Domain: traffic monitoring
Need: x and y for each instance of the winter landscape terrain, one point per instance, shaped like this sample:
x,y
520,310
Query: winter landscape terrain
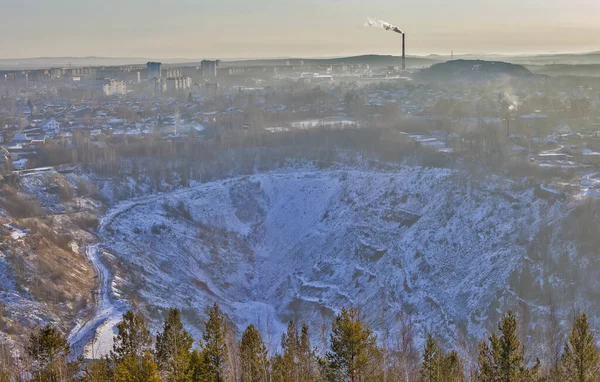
x,y
449,249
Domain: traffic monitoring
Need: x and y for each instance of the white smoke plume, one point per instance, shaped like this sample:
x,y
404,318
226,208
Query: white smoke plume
x,y
382,24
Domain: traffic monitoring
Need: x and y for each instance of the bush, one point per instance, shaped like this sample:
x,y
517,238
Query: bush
x,y
87,223
18,207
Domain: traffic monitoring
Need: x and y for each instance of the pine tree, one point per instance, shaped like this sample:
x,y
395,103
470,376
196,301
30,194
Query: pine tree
x,y
130,369
307,357
253,356
133,337
430,369
485,363
98,371
580,358
353,352
48,350
507,351
286,365
452,369
173,348
199,367
215,345
503,359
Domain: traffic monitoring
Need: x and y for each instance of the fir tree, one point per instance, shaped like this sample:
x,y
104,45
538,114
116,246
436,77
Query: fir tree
x,y
215,344
253,356
507,350
130,369
580,358
48,350
503,359
430,369
485,363
133,337
287,365
452,368
173,348
353,350
101,370
199,369
307,356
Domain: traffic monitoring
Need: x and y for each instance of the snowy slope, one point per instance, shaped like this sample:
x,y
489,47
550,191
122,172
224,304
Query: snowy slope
x,y
302,244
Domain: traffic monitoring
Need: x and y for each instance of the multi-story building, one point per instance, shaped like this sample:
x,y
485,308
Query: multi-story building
x,y
153,70
112,86
171,73
208,69
178,83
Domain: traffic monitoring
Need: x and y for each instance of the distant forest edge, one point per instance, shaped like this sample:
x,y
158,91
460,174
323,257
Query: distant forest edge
x,y
352,353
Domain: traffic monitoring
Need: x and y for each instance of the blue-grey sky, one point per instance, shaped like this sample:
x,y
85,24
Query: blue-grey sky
x,y
292,28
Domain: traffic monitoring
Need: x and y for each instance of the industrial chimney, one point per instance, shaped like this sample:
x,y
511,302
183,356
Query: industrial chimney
x,y
403,51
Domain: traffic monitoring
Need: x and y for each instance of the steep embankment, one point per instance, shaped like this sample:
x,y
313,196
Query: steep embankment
x,y
451,250
46,218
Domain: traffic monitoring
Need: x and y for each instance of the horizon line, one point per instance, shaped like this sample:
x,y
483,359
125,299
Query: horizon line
x,y
197,59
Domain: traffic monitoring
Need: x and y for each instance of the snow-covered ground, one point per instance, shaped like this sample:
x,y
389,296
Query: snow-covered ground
x,y
300,244
94,338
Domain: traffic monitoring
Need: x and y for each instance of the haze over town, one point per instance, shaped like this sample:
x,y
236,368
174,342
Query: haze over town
x,y
299,191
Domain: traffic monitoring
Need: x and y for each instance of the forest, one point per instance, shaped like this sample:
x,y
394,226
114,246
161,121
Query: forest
x,y
353,354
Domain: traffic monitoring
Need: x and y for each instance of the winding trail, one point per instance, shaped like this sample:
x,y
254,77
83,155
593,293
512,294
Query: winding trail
x,y
93,338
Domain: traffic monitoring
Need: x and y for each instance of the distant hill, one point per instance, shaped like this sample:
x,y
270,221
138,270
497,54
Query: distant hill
x,y
591,70
63,62
529,59
373,60
473,70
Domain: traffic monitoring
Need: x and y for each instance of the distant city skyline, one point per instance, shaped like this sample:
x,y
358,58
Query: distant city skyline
x,y
232,29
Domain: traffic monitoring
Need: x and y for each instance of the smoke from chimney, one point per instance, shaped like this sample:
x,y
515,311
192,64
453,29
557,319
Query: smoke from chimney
x,y
383,24
390,27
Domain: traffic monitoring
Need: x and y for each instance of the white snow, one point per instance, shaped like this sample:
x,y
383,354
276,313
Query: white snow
x,y
295,242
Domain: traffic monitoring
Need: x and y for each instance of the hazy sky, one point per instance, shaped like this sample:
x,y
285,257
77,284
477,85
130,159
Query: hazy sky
x,y
292,28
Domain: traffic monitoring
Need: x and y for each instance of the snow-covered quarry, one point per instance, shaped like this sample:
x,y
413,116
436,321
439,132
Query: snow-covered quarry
x,y
451,250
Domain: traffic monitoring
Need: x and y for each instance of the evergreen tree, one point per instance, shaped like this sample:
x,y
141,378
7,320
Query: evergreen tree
x,y
452,368
253,356
48,350
580,358
507,350
486,371
503,359
297,363
353,352
173,348
215,344
430,369
133,337
98,371
287,367
199,367
130,369
307,357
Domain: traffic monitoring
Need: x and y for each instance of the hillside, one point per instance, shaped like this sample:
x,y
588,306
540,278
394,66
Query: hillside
x,y
450,251
473,70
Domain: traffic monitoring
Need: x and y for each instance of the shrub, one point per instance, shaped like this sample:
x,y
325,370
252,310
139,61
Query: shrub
x,y
18,207
87,223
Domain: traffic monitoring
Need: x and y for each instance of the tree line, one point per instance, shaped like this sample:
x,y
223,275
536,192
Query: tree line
x,y
353,355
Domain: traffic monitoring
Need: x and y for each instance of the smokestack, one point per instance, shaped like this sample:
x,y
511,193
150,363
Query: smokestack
x,y
403,51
